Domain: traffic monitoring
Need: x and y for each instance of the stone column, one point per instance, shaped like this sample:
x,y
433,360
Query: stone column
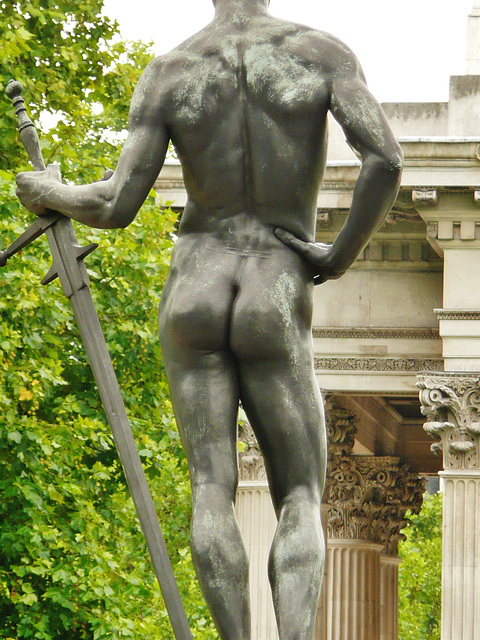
x,y
367,498
451,403
257,522
389,597
364,508
352,590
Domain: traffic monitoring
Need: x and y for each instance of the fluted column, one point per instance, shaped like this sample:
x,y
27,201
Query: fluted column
x,y
352,590
257,522
367,498
389,597
451,403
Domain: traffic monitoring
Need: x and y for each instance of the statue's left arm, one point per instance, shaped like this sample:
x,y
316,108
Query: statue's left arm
x,y
366,128
114,201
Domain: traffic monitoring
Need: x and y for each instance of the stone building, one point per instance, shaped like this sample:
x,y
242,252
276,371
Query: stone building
x,y
405,319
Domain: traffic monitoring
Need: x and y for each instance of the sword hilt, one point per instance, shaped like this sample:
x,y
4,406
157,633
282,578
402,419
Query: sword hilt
x,y
26,128
77,277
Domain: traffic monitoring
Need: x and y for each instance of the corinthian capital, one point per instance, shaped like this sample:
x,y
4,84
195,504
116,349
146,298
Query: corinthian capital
x,y
368,498
251,465
451,404
341,428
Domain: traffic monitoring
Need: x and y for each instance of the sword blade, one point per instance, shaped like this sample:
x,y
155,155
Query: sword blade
x,y
74,280
69,267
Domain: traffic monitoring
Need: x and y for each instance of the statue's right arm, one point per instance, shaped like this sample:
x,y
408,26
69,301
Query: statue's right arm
x,y
113,202
366,129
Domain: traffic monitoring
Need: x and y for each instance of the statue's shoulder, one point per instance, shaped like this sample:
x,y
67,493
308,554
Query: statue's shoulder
x,y
318,48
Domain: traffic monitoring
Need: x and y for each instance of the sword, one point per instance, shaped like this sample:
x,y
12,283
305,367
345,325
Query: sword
x,y
68,266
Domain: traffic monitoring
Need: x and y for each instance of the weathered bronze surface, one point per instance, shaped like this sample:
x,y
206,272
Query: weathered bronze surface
x,y
245,103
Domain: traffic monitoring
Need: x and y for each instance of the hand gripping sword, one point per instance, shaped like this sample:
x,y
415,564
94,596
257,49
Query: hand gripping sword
x,y
69,267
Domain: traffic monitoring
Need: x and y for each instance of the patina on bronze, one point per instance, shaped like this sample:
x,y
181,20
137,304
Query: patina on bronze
x,y
68,266
245,103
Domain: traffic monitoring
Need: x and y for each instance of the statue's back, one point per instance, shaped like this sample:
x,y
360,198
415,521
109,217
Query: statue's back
x,y
246,108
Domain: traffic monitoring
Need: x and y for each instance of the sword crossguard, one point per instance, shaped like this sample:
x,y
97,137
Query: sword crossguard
x,y
74,272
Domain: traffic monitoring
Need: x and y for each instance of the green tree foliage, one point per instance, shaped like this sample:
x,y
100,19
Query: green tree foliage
x,y
420,574
74,66
73,562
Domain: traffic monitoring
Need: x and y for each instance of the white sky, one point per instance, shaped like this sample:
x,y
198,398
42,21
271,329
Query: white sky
x,y
407,48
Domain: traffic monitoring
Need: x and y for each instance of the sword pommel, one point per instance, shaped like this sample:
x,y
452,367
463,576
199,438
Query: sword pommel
x,y
14,89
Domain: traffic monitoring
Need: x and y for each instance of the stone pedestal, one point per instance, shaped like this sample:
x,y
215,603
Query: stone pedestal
x,y
389,597
451,402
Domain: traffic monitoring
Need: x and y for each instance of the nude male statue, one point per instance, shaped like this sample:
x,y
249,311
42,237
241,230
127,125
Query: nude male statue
x,y
245,103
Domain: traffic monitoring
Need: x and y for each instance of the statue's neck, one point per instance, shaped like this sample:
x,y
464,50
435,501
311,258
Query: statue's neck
x,y
240,7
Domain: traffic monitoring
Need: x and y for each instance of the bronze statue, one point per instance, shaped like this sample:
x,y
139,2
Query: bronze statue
x,y
245,103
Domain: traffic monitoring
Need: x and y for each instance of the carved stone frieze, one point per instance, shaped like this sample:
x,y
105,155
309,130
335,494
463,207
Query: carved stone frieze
x,y
168,184
457,314
415,333
368,498
378,364
451,404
